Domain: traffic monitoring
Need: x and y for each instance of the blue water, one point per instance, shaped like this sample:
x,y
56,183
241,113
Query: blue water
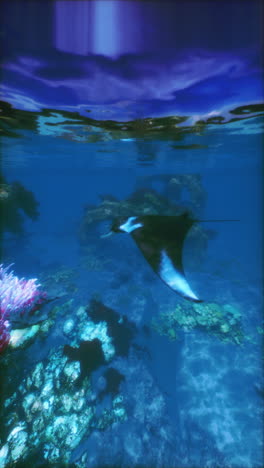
x,y
87,121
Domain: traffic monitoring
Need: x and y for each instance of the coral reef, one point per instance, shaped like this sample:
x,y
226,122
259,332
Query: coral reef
x,y
18,297
56,403
90,355
119,328
221,321
48,411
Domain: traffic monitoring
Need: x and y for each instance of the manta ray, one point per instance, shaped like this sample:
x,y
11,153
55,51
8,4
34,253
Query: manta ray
x,y
161,239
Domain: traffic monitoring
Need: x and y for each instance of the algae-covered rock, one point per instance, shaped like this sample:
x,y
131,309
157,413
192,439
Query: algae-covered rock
x,y
225,328
3,455
92,331
68,326
50,413
22,337
17,442
72,371
53,407
37,376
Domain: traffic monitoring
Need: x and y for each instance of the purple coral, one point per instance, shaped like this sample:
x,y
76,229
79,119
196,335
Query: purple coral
x,y
17,296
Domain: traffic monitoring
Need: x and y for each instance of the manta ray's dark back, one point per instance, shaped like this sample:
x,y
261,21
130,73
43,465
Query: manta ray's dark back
x,y
160,239
163,233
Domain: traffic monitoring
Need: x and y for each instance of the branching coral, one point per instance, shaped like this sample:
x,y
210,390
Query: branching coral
x,y
17,297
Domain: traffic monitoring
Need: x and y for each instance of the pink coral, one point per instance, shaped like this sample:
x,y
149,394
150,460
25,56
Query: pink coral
x,y
17,296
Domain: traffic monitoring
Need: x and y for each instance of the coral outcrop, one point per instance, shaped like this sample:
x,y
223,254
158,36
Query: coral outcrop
x,y
223,321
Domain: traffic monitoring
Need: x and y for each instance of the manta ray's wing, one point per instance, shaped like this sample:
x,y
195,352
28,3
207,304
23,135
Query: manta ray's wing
x,y
161,239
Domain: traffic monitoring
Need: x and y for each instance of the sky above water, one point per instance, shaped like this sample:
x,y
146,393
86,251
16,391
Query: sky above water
x,y
121,60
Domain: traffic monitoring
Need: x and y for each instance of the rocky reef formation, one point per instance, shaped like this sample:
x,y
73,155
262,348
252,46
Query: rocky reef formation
x,y
16,202
49,412
56,403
